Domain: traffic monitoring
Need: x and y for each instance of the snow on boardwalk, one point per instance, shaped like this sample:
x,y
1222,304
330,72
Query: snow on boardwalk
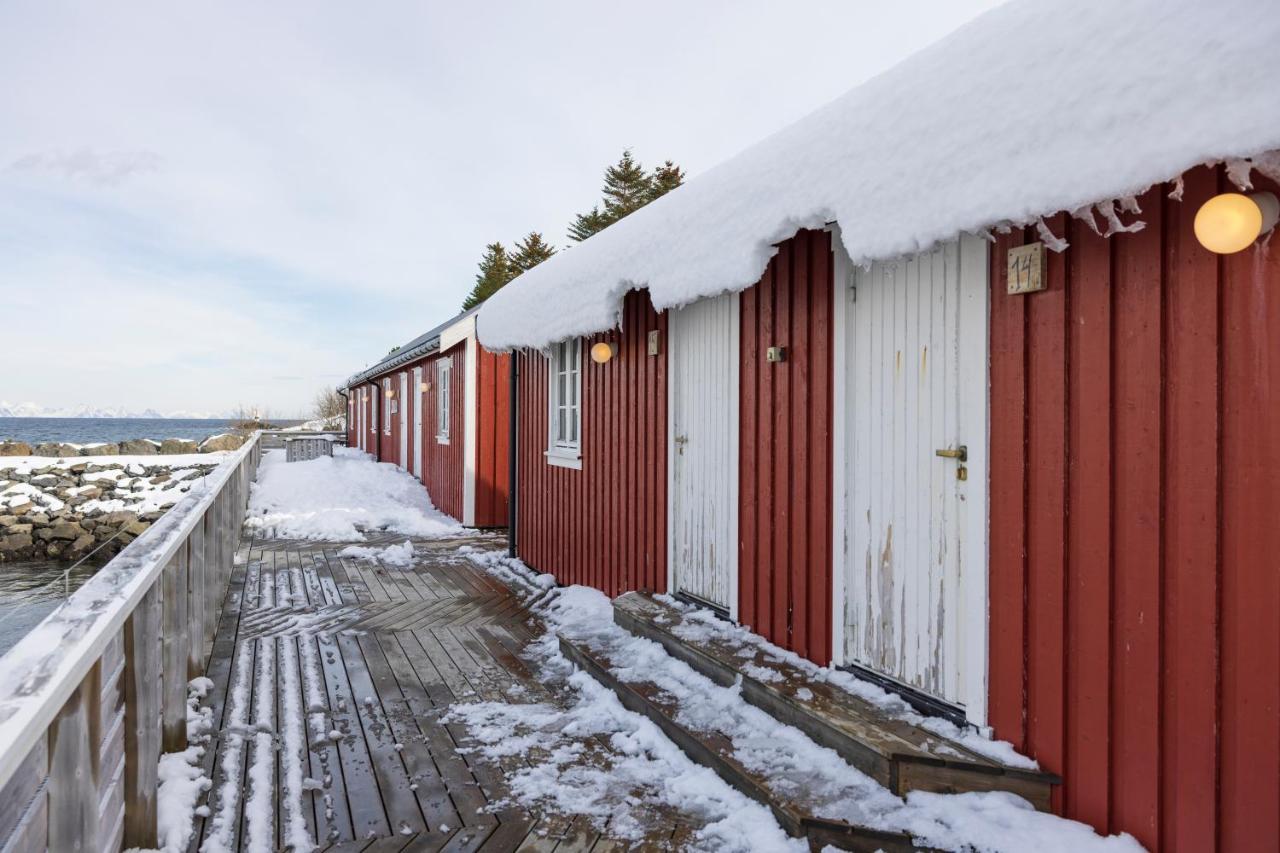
x,y
331,677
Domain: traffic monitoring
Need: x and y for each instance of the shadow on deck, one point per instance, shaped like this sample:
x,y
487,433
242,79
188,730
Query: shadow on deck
x,y
330,675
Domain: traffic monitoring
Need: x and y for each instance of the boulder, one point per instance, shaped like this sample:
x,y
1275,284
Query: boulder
x,y
119,518
45,481
139,447
226,441
100,450
14,448
15,542
56,448
39,519
81,545
15,529
172,446
7,520
20,508
63,530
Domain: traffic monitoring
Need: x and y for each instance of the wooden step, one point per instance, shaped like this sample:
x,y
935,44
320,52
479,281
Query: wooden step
x,y
715,751
898,754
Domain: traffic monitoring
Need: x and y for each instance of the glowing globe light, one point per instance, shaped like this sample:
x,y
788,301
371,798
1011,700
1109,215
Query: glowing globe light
x,y
603,351
1230,222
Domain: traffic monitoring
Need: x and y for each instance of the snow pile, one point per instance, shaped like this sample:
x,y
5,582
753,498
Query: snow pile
x,y
182,779
335,498
645,764
28,464
1032,108
400,556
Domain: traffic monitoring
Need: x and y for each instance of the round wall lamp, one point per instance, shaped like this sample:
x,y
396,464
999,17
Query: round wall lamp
x,y
424,387
603,351
1230,222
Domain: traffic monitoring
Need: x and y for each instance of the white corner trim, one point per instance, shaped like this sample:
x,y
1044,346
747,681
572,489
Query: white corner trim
x,y
470,414
841,270
460,331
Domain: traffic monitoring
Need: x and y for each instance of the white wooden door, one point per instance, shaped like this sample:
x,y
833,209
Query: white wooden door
x,y
703,451
417,422
914,533
404,420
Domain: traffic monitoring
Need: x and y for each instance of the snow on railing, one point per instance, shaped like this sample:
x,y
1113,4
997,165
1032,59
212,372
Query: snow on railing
x,y
93,695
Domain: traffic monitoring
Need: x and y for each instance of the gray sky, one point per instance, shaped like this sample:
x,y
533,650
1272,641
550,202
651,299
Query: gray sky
x,y
206,205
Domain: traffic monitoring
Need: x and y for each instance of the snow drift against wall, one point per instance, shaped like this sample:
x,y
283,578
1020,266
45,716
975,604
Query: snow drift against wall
x,y
338,498
1033,108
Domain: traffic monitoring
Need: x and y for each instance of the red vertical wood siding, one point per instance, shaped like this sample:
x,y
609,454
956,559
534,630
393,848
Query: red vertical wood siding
x,y
442,464
604,525
1135,430
388,425
492,409
784,553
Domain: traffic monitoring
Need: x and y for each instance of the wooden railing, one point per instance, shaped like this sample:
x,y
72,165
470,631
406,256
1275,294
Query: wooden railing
x,y
91,698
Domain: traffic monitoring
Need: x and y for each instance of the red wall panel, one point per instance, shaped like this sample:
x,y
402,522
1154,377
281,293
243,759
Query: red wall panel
x,y
1135,437
442,463
493,406
785,510
603,525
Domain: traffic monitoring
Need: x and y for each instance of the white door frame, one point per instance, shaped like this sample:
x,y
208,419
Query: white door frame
x,y
465,331
417,422
404,420
973,424
735,432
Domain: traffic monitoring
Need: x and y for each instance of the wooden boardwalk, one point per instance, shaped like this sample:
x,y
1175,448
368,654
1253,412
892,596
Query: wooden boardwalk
x,y
330,676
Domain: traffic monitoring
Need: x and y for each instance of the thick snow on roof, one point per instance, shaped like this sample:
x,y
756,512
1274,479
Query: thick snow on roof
x,y
1033,108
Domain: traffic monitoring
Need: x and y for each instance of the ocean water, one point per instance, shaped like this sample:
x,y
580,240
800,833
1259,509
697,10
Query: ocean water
x,y
93,430
29,591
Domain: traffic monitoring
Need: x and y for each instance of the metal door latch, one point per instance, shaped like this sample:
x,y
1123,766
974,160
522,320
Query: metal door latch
x,y
961,453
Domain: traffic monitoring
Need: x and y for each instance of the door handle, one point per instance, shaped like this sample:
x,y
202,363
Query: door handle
x,y
961,453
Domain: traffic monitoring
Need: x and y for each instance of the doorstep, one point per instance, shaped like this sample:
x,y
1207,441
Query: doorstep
x,y
898,754
715,750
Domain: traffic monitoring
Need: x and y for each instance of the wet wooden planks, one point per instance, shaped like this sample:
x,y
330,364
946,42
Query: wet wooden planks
x,y
331,674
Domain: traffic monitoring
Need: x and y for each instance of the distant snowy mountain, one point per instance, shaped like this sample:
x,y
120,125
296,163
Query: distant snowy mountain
x,y
35,410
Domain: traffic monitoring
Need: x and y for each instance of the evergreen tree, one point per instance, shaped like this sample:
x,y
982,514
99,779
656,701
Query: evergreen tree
x,y
495,271
627,188
665,178
586,224
530,252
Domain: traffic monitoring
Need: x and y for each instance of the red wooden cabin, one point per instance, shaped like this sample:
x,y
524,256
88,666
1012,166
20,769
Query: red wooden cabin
x,y
438,408
1046,506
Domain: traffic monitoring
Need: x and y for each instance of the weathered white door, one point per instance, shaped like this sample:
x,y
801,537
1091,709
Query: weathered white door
x,y
914,444
703,451
417,422
404,420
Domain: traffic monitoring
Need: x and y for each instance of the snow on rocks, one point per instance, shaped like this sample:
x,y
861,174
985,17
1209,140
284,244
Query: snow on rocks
x,y
1110,97
337,498
63,508
546,736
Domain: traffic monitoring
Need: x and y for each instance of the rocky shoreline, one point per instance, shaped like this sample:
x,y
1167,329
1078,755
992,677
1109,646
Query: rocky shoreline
x,y
64,509
132,447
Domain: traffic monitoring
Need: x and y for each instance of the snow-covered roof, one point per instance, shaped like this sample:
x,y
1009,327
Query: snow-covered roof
x,y
1035,107
423,344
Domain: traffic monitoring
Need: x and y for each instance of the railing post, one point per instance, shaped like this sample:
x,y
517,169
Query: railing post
x,y
142,686
199,593
74,740
173,645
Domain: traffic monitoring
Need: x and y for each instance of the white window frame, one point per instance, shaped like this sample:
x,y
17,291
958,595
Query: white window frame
x,y
386,406
565,362
444,403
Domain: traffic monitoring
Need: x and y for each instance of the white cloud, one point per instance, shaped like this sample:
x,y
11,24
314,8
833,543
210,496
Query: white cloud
x,y
313,184
108,168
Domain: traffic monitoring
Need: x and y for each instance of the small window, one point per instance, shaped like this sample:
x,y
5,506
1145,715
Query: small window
x,y
444,387
387,411
565,426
